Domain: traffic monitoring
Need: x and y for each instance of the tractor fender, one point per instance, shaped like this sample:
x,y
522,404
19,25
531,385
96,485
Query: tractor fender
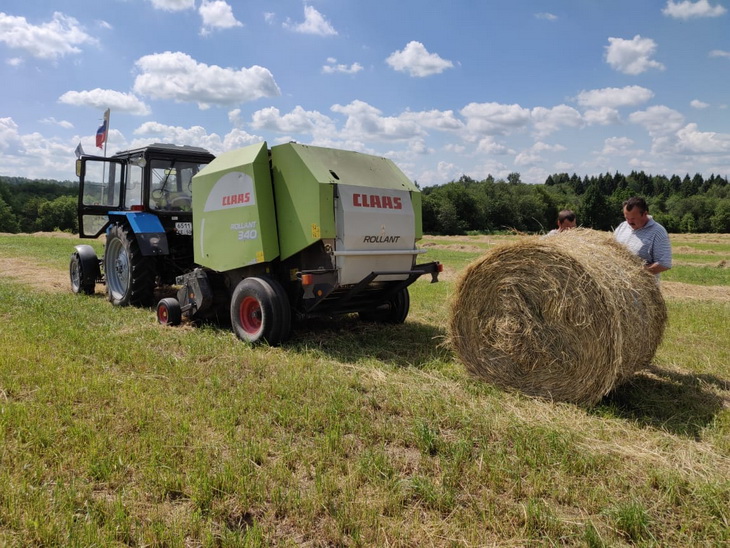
x,y
147,229
90,268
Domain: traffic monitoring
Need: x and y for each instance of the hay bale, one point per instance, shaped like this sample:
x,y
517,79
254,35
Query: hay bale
x,y
566,318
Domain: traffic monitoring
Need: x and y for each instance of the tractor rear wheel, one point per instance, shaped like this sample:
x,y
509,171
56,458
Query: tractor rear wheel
x,y
76,272
169,312
395,309
130,276
257,312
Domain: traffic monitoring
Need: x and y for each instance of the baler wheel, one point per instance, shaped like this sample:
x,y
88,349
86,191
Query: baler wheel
x,y
395,311
76,273
169,312
256,312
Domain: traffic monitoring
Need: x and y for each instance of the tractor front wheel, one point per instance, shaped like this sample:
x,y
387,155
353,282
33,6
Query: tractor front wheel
x,y
130,276
76,272
257,312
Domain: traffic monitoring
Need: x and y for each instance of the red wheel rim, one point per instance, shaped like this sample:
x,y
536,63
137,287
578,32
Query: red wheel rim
x,y
249,313
163,314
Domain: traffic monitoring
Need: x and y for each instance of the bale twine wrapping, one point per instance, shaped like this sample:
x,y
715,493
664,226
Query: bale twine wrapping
x,y
568,317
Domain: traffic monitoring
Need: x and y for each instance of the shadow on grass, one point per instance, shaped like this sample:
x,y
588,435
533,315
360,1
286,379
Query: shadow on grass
x,y
349,339
680,403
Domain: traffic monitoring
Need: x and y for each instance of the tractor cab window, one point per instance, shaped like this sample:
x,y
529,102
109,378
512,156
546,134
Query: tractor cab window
x,y
133,194
102,183
172,185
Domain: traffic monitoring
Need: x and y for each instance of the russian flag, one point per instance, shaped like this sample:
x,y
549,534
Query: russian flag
x,y
101,133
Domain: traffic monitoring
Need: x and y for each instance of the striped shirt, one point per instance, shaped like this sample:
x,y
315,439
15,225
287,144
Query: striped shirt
x,y
650,242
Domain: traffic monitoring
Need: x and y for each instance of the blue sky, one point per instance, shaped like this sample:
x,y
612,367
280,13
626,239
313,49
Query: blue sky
x,y
443,88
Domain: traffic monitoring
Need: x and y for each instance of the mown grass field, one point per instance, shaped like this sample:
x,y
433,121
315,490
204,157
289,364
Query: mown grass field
x,y
117,431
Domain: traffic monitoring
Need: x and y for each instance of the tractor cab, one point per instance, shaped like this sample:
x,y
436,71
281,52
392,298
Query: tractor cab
x,y
155,179
142,199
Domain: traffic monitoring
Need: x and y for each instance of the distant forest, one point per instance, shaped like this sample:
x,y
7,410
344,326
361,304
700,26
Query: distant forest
x,y
28,205
688,204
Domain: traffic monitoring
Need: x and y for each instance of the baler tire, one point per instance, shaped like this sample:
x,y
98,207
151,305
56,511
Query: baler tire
x,y
76,273
130,276
169,312
284,309
256,312
395,313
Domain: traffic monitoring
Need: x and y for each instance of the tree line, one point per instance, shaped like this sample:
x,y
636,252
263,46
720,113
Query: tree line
x,y
28,205
688,204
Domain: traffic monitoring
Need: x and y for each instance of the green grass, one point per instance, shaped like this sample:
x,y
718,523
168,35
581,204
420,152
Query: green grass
x,y
699,275
45,250
116,431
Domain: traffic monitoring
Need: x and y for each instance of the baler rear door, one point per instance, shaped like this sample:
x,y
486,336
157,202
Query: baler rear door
x,y
376,232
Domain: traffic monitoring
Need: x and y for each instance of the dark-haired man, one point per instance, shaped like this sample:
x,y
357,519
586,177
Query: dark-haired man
x,y
566,221
644,236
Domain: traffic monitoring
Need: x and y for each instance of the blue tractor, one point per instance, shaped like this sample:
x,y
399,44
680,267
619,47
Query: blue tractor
x,y
142,200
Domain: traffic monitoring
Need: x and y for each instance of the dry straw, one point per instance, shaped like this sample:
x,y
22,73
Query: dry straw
x,y
568,317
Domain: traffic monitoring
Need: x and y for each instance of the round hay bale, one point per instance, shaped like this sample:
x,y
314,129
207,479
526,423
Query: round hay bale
x,y
567,317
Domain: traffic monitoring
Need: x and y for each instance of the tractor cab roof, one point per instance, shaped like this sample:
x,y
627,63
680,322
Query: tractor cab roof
x,y
165,149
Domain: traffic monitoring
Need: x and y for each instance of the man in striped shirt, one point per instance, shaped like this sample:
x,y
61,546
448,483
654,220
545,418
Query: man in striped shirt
x,y
644,236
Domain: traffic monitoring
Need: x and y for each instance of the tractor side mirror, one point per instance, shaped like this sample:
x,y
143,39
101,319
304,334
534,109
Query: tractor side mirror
x,y
80,165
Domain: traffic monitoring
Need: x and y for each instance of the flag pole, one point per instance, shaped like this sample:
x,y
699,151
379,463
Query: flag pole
x,y
107,116
105,126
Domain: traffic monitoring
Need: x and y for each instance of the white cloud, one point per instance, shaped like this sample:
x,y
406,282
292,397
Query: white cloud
x,y
549,120
194,135
217,14
298,121
8,132
688,10
417,61
179,77
234,117
57,38
35,155
603,116
632,56
418,146
333,67
696,103
434,119
173,5
314,23
65,124
495,118
488,145
546,147
547,16
105,98
366,122
563,167
720,53
527,158
658,120
692,141
614,97
620,146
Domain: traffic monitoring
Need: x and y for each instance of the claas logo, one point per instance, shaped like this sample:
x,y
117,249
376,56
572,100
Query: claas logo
x,y
377,201
234,199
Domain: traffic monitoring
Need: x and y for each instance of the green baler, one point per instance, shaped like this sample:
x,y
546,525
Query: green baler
x,y
298,231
